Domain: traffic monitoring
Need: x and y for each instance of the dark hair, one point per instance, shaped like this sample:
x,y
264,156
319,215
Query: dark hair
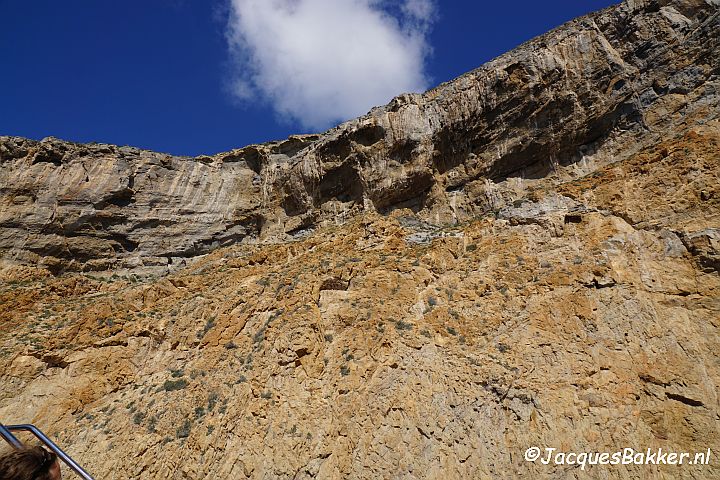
x,y
27,463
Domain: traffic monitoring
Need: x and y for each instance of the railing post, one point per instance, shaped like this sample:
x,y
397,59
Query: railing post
x,y
6,433
9,437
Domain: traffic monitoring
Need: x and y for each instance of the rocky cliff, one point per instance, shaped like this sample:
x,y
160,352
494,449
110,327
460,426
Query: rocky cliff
x,y
586,94
525,256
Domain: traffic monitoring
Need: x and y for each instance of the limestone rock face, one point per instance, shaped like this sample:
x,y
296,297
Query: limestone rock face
x,y
527,256
590,92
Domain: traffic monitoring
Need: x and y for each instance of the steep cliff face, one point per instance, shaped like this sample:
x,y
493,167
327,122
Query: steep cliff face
x,y
526,256
585,320
586,94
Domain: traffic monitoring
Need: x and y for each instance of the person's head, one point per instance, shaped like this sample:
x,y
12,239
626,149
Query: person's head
x,y
29,463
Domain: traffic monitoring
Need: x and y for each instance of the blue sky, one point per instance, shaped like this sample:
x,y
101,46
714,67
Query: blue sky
x,y
194,77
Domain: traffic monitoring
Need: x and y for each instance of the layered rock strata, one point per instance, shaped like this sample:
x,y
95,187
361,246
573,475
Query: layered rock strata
x,y
586,94
582,317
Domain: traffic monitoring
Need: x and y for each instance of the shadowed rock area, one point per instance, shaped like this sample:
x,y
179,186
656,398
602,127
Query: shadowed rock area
x,y
525,256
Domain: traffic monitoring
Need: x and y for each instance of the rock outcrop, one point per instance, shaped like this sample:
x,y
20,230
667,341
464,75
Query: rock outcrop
x,y
524,257
588,93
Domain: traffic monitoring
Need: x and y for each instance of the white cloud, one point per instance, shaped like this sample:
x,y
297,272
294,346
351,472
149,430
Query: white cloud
x,y
324,61
423,11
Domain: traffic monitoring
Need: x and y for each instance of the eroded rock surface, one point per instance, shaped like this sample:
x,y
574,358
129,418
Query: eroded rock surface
x,y
586,94
525,256
361,352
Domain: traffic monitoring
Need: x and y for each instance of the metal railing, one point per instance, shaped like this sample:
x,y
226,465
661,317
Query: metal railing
x,y
7,435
